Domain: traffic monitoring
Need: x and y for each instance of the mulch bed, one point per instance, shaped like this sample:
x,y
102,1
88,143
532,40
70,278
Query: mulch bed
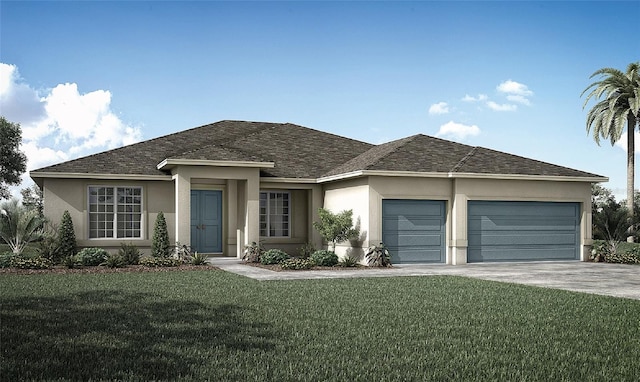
x,y
278,268
103,269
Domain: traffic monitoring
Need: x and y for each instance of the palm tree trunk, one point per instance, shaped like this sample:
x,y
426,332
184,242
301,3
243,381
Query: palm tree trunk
x,y
631,129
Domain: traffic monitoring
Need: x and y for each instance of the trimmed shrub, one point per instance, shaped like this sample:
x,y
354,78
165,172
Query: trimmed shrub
x,y
160,246
622,258
155,262
67,236
324,258
297,264
273,256
92,256
130,253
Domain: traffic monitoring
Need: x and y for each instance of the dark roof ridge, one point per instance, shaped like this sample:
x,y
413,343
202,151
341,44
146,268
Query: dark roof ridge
x,y
464,159
397,144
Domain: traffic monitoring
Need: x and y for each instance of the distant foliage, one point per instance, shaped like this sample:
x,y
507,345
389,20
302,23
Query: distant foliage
x,y
67,236
13,162
160,245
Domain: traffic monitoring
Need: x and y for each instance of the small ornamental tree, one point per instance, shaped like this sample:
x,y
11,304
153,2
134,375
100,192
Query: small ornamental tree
x,y
335,228
160,246
68,245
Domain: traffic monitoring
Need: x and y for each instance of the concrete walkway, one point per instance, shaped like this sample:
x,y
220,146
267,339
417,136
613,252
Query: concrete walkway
x,y
598,278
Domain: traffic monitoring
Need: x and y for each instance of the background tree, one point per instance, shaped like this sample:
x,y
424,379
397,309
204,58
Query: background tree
x,y
607,118
160,246
19,226
13,162
67,236
32,198
335,228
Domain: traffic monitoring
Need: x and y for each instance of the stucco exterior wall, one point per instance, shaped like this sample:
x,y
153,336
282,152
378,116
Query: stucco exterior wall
x,y
72,195
351,195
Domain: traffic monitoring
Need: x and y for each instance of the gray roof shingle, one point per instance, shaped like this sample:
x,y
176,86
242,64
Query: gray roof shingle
x,y
300,152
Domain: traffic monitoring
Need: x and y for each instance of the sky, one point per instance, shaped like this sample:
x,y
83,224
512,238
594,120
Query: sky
x,y
84,77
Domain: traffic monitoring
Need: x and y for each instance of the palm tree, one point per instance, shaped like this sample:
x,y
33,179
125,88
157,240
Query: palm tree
x,y
606,119
19,226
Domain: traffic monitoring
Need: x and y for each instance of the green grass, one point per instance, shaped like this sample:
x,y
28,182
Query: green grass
x,y
212,325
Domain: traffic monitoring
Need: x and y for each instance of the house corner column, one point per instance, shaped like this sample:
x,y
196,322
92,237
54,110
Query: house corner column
x,y
182,184
586,231
459,241
315,197
252,211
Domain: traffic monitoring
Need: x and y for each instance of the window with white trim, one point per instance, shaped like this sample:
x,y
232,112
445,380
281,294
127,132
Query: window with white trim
x,y
115,212
274,214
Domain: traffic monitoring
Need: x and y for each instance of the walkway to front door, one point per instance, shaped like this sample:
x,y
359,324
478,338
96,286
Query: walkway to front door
x,y
206,221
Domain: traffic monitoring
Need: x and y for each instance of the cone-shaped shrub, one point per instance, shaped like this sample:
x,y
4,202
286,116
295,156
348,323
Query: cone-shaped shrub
x,y
160,245
68,245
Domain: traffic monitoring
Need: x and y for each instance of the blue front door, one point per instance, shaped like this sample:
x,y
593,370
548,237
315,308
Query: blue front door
x,y
206,221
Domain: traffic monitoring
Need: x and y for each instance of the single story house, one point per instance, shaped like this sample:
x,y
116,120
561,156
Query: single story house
x,y
224,185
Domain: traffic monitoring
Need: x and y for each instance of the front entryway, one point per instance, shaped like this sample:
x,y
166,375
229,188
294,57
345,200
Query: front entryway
x,y
206,221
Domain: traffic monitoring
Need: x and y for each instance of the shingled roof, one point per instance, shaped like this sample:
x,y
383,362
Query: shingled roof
x,y
300,152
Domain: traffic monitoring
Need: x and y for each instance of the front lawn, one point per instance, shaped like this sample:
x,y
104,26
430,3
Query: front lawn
x,y
212,325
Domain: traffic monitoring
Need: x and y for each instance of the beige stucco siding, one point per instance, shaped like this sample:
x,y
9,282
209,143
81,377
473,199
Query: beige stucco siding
x,y
72,195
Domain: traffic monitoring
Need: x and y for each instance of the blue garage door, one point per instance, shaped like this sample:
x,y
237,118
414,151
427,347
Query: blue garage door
x,y
523,231
414,230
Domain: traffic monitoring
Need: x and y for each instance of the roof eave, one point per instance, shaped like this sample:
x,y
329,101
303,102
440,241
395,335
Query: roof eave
x,y
168,164
419,174
85,175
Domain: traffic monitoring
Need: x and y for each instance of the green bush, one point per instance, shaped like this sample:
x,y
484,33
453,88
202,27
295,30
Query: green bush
x,y
130,253
31,263
306,250
348,262
160,246
155,262
92,256
378,256
324,258
628,257
297,264
71,262
67,236
49,247
273,256
115,260
252,253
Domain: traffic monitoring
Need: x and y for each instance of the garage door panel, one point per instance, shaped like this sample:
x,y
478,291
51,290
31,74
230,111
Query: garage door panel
x,y
525,254
414,230
531,238
412,224
518,224
522,231
399,240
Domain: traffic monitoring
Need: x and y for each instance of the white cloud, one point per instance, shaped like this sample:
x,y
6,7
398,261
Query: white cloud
x,y
519,99
61,123
439,108
457,130
513,87
622,142
479,98
501,107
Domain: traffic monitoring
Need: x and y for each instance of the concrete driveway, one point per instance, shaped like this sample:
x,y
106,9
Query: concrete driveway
x,y
597,278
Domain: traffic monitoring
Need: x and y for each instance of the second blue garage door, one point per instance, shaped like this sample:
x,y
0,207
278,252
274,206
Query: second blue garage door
x,y
414,230
523,231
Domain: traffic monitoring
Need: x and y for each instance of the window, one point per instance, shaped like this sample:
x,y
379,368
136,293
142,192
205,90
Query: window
x,y
115,212
274,214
